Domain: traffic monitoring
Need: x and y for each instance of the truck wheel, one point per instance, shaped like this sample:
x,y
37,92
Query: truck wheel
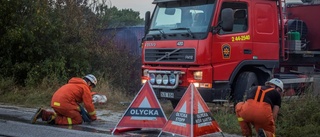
x,y
243,83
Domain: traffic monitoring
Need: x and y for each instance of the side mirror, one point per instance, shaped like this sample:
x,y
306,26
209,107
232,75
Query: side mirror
x,y
146,22
227,19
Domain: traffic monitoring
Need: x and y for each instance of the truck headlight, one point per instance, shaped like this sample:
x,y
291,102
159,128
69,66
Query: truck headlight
x,y
165,79
172,79
152,78
197,75
159,79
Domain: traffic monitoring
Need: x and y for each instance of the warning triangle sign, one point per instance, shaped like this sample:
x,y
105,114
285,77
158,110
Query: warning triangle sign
x,y
144,111
192,116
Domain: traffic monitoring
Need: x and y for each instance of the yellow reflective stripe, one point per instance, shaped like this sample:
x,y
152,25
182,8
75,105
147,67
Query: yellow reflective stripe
x,y
56,104
69,121
92,113
240,119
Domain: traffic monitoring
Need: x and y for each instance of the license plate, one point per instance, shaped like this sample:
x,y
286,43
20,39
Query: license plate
x,y
167,94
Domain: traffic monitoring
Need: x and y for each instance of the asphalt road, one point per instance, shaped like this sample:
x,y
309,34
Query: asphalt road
x,y
15,122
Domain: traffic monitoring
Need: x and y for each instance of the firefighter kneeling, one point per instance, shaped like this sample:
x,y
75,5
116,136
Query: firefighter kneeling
x,y
65,103
260,109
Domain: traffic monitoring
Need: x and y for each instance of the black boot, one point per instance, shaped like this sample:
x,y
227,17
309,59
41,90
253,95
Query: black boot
x,y
51,120
36,116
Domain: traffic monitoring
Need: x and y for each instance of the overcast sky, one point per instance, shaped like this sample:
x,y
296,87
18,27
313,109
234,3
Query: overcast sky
x,y
136,5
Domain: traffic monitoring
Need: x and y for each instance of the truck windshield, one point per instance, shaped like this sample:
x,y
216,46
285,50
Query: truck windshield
x,y
179,16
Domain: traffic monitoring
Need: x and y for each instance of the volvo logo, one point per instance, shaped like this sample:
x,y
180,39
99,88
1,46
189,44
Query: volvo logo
x,y
151,44
167,54
180,43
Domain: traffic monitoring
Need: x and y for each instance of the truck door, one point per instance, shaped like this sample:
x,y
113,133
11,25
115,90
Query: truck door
x,y
232,47
265,30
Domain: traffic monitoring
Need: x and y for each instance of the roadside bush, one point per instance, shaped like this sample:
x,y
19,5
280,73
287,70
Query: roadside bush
x,y
299,117
121,69
37,40
6,85
40,96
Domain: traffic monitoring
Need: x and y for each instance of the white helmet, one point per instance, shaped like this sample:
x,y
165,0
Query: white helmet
x,y
276,82
92,79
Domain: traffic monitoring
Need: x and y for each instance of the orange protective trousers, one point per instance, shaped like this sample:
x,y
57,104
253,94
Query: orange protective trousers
x,y
66,116
256,113
63,116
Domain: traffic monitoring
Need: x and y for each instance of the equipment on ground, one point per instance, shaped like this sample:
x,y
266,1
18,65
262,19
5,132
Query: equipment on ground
x,y
99,99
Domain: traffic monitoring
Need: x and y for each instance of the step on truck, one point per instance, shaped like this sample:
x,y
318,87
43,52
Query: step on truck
x,y
224,47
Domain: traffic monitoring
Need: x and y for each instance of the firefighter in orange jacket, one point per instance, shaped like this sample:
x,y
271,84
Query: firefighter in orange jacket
x,y
65,102
260,109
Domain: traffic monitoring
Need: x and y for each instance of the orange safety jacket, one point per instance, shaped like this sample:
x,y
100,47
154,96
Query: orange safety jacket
x,y
71,94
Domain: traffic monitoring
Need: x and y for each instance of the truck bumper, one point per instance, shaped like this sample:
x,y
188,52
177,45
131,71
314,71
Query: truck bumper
x,y
218,94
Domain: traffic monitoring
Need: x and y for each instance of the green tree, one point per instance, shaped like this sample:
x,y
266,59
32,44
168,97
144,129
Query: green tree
x,y
25,38
58,39
42,39
118,18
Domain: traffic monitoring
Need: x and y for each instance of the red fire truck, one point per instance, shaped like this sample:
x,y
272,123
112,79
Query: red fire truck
x,y
225,47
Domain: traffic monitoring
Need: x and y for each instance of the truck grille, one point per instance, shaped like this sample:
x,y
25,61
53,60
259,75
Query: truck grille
x,y
169,55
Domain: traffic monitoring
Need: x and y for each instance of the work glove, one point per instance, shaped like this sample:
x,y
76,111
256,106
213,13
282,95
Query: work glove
x,y
93,117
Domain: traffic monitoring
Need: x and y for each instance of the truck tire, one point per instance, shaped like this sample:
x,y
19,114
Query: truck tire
x,y
243,83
